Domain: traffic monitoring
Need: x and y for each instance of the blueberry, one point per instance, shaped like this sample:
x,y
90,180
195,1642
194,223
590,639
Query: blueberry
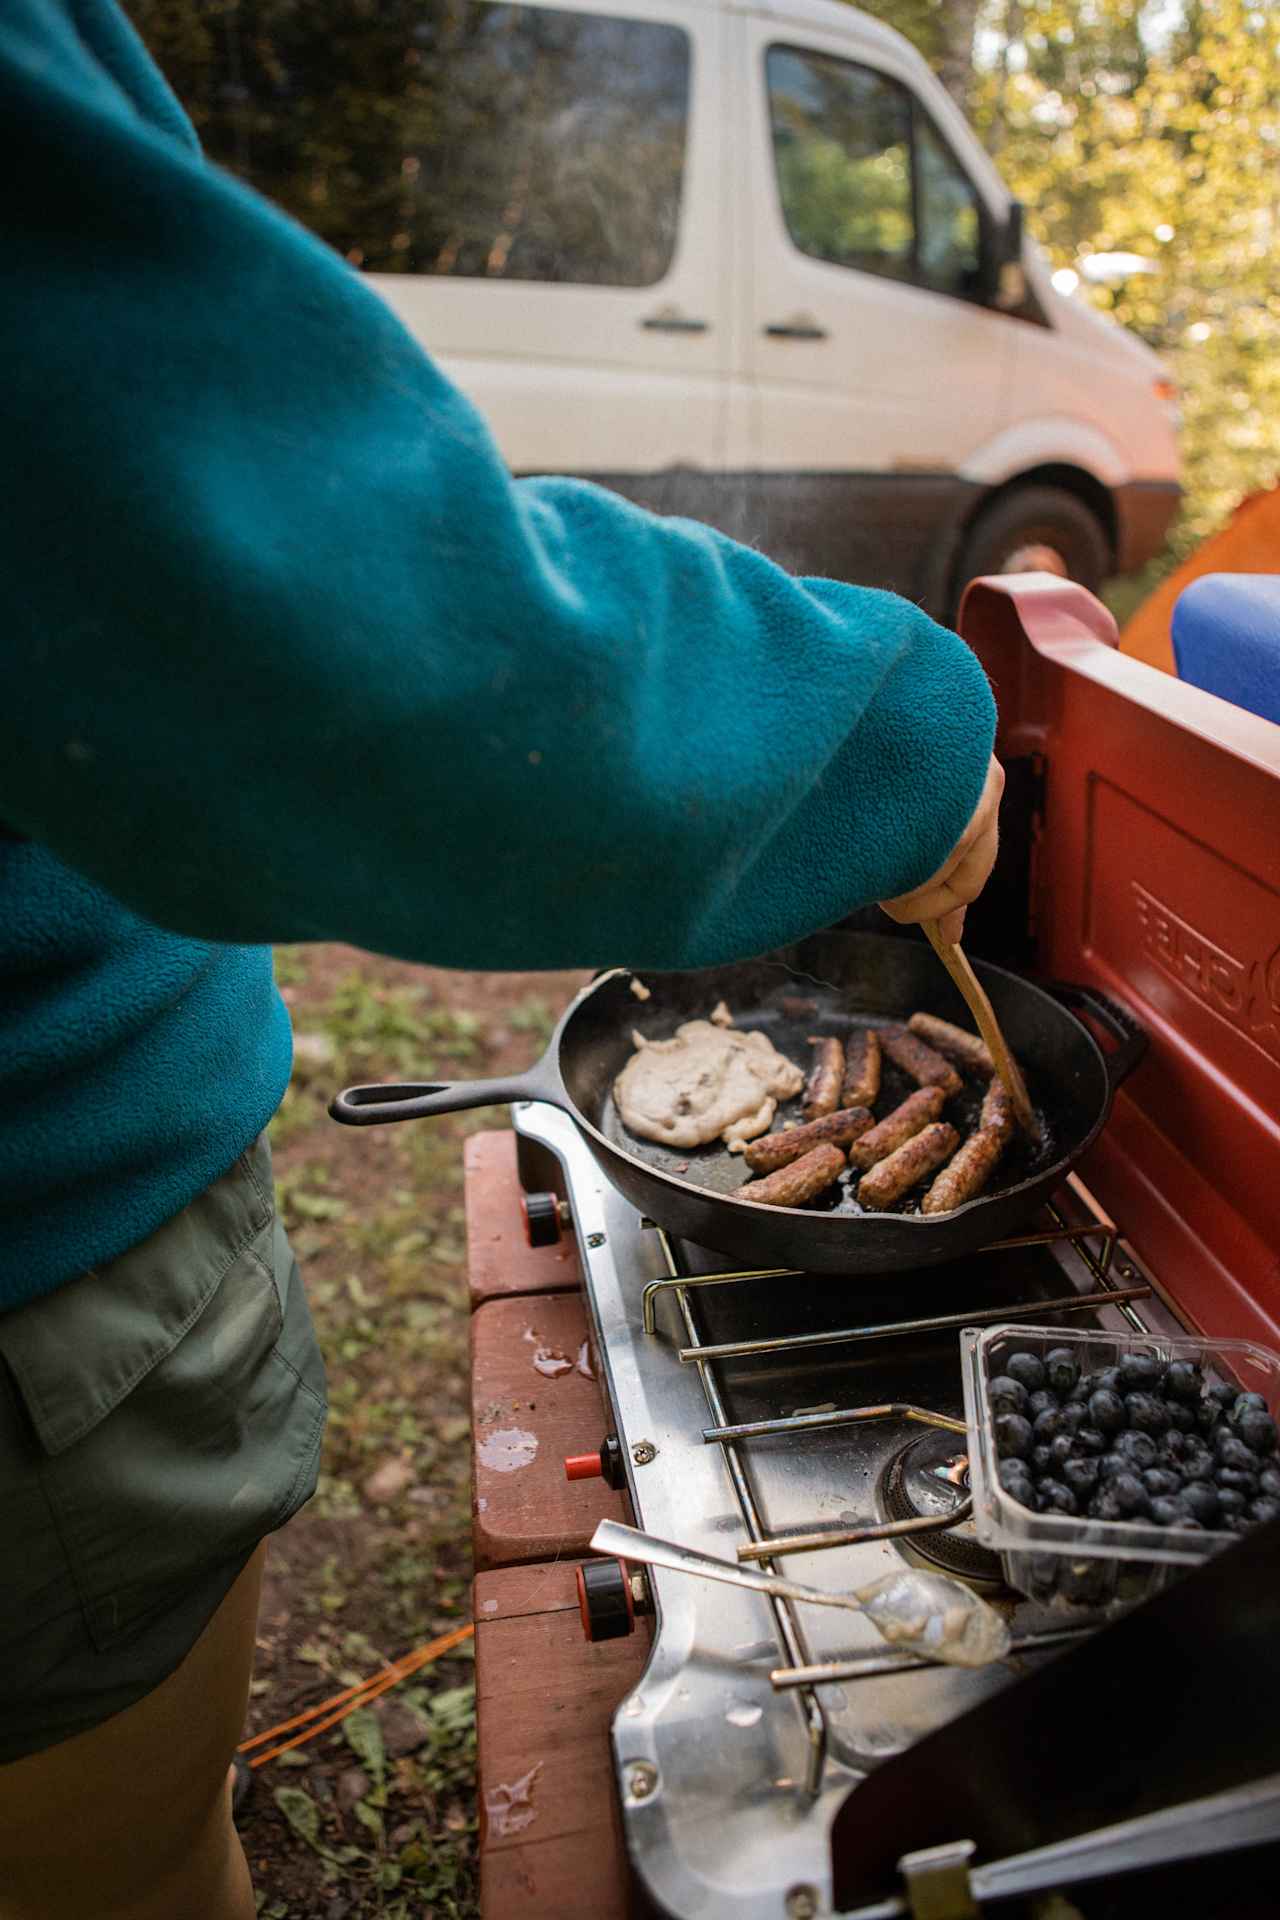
x,y
1089,1440
1200,1500
1108,1380
1106,1411
1222,1396
1013,1436
1042,1401
1073,1415
1146,1414
1207,1417
1041,1460
1043,1569
1182,1418
1160,1483
1062,1369
1239,1479
1245,1403
1201,1470
1110,1465
1054,1497
1130,1494
1104,1505
1047,1425
1269,1482
1140,1372
1016,1481
1230,1451
1006,1396
1182,1381
1080,1475
1026,1370
1087,1583
1173,1445
1139,1448
1263,1509
1165,1512
1229,1501
1257,1430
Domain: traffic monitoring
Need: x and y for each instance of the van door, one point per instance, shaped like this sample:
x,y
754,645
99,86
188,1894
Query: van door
x,y
876,364
561,254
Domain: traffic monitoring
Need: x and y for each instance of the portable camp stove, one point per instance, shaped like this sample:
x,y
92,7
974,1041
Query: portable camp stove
x,y
807,1426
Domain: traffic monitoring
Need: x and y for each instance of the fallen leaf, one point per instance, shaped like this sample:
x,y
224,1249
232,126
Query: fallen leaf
x,y
388,1481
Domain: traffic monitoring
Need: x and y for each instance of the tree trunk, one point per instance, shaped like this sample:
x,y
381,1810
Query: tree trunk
x,y
955,66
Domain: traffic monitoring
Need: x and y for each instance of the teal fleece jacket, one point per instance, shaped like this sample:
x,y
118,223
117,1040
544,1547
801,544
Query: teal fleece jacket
x,y
287,655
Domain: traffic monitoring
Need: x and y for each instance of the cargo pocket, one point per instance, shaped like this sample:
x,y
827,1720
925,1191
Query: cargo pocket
x,y
178,1399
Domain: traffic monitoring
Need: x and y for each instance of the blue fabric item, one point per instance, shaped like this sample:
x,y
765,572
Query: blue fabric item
x,y
1226,639
287,655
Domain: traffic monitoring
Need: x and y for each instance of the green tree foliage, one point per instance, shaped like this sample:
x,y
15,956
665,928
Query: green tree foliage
x,y
316,102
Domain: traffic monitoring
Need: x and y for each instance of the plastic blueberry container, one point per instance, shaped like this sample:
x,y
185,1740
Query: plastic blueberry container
x,y
1069,1561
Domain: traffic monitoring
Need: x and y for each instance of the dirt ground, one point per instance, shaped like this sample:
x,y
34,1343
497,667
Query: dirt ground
x,y
377,1816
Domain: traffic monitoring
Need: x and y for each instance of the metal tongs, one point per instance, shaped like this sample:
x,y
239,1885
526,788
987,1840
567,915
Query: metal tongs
x,y
928,1613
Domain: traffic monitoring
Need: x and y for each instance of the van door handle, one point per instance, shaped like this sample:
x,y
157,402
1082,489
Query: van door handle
x,y
671,320
800,327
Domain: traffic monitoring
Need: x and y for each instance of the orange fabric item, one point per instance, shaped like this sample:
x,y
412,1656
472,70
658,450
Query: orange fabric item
x,y
1249,543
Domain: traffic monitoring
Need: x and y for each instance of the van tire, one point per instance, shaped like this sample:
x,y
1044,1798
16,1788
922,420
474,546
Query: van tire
x,y
1003,539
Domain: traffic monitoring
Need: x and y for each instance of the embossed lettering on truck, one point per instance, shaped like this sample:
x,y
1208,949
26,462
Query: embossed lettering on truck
x,y
1247,993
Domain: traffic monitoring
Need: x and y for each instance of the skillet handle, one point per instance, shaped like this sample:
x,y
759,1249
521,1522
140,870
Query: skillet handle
x,y
424,1099
1131,1038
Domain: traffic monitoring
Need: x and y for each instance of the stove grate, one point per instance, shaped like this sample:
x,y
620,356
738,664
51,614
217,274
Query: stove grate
x,y
1094,1239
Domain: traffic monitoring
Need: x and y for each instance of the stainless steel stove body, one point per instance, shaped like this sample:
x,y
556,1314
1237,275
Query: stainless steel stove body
x,y
755,1718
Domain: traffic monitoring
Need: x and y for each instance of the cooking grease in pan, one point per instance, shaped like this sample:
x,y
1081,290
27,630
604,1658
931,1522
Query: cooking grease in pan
x,y
789,1019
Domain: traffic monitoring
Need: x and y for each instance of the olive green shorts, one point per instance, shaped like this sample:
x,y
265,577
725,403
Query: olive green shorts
x,y
158,1417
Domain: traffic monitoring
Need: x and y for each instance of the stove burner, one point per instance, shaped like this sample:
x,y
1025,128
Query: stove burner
x,y
931,1477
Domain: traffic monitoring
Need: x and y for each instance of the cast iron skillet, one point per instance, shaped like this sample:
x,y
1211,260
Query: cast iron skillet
x,y
871,978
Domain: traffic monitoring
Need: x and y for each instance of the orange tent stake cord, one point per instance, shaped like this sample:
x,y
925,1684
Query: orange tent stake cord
x,y
352,1697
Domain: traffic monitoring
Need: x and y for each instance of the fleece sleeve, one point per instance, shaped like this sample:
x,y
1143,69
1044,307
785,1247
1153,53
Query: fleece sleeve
x,y
288,655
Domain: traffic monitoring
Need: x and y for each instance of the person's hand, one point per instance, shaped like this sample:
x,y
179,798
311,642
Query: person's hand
x,y
964,872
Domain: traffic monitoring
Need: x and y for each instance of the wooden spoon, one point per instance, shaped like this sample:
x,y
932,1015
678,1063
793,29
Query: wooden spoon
x,y
956,962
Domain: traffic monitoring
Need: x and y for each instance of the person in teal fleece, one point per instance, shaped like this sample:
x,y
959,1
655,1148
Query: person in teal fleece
x,y
287,656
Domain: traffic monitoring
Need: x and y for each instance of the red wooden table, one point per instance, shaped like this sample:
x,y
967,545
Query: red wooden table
x,y
551,1845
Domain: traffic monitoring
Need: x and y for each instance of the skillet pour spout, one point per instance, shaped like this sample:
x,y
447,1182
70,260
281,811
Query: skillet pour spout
x,y
870,979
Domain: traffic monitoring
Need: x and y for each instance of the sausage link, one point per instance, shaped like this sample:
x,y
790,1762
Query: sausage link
x,y
792,1186
921,1062
997,1110
968,1173
776,1150
966,1049
916,1111
826,1077
861,1068
889,1179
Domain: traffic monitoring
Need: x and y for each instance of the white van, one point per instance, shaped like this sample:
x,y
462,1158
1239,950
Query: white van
x,y
748,262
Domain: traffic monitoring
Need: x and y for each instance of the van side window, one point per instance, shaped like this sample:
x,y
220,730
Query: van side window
x,y
864,179
950,249
842,147
544,145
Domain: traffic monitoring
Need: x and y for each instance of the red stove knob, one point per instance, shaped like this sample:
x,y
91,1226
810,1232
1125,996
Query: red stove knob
x,y
605,1600
606,1464
544,1215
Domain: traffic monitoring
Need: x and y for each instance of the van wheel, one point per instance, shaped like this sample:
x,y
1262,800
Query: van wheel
x,y
1036,530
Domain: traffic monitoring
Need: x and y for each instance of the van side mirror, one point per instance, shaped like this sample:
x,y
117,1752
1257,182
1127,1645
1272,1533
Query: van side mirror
x,y
1010,289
